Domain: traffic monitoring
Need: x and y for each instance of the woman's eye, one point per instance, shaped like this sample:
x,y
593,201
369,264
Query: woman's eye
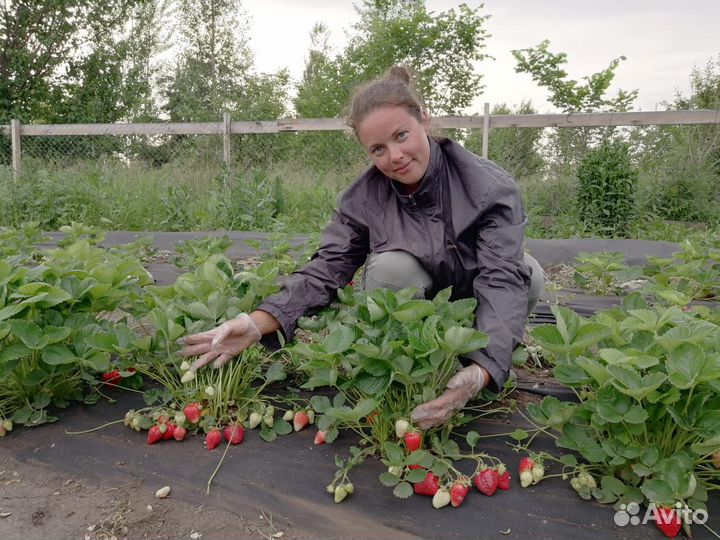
x,y
378,150
402,135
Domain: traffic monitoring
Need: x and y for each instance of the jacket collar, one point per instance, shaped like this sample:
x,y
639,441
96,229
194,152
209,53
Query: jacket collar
x,y
430,191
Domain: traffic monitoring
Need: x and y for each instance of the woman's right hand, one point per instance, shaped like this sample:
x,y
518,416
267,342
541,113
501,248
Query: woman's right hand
x,y
221,343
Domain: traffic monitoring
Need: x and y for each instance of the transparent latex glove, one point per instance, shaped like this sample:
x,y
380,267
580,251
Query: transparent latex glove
x,y
464,385
221,343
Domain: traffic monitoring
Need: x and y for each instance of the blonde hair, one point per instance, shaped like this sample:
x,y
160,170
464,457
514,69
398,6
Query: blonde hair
x,y
393,88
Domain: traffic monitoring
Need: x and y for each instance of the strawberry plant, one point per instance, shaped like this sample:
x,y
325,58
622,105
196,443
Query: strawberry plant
x,y
20,243
691,274
602,272
385,353
209,295
55,330
280,249
648,418
198,301
192,253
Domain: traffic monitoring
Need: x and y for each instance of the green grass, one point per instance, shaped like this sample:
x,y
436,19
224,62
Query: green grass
x,y
288,197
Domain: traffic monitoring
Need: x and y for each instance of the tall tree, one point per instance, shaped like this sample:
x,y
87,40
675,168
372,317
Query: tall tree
x,y
150,36
439,48
569,95
215,68
565,148
40,40
317,93
213,60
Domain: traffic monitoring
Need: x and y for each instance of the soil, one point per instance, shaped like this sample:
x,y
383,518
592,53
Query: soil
x,y
39,502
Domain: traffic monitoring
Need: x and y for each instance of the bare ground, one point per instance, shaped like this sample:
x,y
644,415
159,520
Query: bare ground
x,y
38,502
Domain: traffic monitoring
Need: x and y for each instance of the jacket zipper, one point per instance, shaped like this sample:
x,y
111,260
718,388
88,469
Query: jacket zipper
x,y
423,219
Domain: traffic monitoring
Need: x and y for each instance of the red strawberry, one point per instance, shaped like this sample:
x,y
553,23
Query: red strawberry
x,y
320,437
413,467
429,486
179,433
525,469
192,412
234,433
213,438
504,481
154,435
413,440
459,490
487,481
169,432
300,420
111,378
667,520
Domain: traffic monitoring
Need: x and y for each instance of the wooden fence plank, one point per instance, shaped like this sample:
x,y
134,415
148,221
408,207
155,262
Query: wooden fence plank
x,y
15,128
601,119
338,124
51,130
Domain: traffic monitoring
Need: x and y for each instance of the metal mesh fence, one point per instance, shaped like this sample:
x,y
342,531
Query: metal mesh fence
x,y
289,180
5,149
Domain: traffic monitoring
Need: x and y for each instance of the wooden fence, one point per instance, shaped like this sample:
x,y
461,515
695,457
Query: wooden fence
x,y
226,128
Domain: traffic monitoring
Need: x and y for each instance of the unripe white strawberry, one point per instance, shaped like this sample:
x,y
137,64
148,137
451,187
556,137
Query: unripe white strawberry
x,y
401,427
254,420
587,479
538,472
340,494
441,498
288,415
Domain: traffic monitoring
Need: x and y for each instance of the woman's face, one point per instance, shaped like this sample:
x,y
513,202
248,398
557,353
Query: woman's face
x,y
397,144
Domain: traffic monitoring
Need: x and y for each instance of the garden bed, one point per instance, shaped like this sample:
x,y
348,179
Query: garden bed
x,y
101,484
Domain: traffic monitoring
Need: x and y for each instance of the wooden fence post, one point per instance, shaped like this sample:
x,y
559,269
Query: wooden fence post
x,y
486,129
226,137
15,141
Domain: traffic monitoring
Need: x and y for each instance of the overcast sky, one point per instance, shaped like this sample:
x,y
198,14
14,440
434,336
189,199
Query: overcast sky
x,y
662,40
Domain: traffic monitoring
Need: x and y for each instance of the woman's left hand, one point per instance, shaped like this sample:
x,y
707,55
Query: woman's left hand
x,y
465,384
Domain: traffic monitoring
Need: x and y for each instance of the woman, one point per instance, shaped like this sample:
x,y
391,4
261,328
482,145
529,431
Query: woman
x,y
427,214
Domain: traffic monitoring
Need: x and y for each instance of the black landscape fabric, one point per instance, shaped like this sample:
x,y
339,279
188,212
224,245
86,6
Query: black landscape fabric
x,y
287,477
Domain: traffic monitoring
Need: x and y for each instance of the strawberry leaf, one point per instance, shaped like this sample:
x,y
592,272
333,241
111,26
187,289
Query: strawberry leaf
x,y
472,438
331,435
389,479
416,475
393,453
519,435
320,403
440,468
281,427
403,490
268,434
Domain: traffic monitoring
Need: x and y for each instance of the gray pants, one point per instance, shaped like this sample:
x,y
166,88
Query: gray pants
x,y
397,270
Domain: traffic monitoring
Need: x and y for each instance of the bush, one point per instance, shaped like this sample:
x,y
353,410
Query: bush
x,y
607,182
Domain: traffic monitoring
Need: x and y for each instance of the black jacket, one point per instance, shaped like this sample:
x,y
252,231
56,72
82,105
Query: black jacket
x,y
465,224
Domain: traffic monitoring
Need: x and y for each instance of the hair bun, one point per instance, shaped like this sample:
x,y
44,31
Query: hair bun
x,y
400,73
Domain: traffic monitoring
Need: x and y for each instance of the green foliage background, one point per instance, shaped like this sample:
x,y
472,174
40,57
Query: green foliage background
x,y
85,61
